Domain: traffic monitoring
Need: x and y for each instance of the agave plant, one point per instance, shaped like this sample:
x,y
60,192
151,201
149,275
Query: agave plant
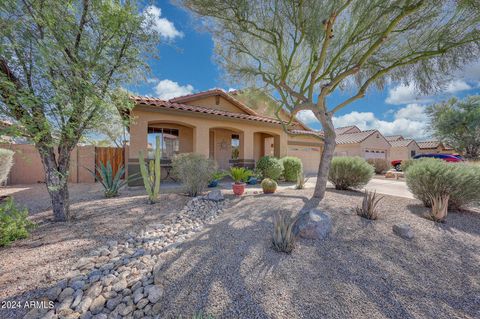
x,y
369,206
283,237
111,184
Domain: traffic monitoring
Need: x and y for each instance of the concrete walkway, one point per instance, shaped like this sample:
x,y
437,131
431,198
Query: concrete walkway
x,y
380,185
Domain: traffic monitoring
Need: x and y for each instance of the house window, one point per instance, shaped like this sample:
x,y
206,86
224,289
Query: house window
x,y
412,153
235,146
169,142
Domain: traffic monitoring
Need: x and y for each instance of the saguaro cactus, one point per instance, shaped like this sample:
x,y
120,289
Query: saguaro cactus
x,y
151,173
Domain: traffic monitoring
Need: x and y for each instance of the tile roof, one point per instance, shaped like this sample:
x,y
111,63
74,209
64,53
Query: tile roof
x,y
401,143
213,92
392,138
306,132
429,144
344,129
352,138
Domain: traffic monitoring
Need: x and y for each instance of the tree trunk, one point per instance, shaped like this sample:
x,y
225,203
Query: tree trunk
x,y
326,157
56,178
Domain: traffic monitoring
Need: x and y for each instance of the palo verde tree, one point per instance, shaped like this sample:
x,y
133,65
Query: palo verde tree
x,y
60,62
457,123
306,50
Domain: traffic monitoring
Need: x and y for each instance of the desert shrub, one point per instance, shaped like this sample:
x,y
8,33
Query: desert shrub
x,y
194,171
301,180
270,167
6,162
349,172
292,166
283,238
14,223
369,206
406,164
379,165
269,186
432,178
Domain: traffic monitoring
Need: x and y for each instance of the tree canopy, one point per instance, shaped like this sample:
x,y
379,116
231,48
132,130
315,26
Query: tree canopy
x,y
457,123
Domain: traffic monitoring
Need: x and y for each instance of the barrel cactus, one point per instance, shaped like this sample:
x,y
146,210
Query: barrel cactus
x,y
269,186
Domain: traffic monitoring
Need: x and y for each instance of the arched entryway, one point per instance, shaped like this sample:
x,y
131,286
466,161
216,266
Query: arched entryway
x,y
224,145
266,144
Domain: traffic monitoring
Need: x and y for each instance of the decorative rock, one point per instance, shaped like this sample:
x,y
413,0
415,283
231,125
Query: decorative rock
x,y
94,290
120,285
154,293
97,305
142,303
113,303
100,316
79,284
314,225
77,298
125,311
403,230
52,293
84,305
215,195
67,292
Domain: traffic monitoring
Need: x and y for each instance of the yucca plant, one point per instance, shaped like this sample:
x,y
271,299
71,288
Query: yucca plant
x,y
151,174
111,184
283,238
301,180
369,206
439,207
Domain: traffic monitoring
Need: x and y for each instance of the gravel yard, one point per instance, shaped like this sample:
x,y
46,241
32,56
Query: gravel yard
x,y
227,269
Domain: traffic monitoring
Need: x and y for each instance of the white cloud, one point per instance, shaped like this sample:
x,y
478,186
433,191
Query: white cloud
x,y
409,121
457,86
404,94
152,80
307,117
164,27
167,89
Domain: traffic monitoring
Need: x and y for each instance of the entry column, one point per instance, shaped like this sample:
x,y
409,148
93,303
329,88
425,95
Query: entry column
x,y
201,140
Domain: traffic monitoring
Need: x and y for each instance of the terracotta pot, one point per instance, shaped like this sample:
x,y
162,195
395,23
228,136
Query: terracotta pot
x,y
238,189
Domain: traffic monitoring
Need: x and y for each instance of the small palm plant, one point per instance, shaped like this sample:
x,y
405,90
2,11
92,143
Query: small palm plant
x,y
111,184
240,174
369,206
301,180
283,238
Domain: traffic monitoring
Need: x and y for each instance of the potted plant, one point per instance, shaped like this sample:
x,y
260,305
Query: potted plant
x,y
269,186
253,179
239,175
216,176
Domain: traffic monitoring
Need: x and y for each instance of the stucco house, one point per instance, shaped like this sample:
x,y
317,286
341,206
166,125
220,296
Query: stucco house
x,y
351,141
435,147
403,149
217,125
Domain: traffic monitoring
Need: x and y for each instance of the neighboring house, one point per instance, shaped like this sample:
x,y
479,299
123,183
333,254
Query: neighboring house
x,y
403,149
347,129
393,138
435,147
366,144
217,125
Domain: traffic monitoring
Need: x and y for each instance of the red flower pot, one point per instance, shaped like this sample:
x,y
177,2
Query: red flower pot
x,y
238,189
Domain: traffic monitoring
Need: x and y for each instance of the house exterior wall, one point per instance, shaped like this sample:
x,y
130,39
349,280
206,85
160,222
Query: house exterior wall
x,y
347,150
28,168
375,142
404,152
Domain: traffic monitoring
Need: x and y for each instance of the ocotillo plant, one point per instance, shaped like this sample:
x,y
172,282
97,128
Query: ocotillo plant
x,y
151,174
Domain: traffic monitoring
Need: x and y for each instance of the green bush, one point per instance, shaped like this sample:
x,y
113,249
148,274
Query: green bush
x,y
406,164
292,166
428,178
6,162
349,172
194,171
270,167
13,222
379,165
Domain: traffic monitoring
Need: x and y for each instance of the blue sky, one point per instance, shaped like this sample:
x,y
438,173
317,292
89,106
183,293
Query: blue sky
x,y
185,65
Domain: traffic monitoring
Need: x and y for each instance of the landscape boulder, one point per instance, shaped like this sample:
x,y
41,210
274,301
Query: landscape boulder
x,y
313,225
403,230
215,195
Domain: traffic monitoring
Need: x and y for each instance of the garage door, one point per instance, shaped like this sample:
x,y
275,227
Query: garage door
x,y
310,157
375,154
